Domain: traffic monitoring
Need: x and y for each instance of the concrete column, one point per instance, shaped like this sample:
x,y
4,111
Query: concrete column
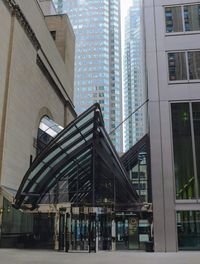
x,y
168,178
157,177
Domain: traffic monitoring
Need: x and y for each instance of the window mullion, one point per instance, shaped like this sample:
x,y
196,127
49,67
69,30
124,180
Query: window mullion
x,y
187,65
183,18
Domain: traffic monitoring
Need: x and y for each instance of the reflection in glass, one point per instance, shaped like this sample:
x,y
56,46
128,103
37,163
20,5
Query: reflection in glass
x,y
173,19
138,176
196,122
192,17
188,228
183,157
194,64
177,66
47,130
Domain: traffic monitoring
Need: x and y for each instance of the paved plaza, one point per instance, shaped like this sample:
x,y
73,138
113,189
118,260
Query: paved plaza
x,y
14,256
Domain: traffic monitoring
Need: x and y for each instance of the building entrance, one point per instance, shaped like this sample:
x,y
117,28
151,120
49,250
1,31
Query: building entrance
x,y
127,236
85,229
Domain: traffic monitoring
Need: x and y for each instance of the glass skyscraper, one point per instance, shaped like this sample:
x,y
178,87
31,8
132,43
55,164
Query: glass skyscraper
x,y
96,24
134,75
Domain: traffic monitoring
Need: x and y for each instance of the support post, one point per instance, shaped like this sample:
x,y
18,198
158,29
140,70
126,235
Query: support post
x,y
56,231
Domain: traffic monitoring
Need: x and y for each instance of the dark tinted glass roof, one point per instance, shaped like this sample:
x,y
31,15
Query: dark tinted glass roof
x,y
80,164
130,158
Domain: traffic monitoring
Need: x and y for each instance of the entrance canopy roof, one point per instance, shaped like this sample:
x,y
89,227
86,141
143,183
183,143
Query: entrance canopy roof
x,y
131,157
81,166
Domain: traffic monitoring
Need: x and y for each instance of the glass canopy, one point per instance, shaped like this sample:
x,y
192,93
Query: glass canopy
x,y
81,166
137,163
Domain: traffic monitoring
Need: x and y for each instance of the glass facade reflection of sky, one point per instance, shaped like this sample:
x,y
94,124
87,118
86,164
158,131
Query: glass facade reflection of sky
x,y
96,24
134,84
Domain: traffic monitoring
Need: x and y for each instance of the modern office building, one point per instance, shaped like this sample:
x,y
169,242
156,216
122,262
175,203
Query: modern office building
x,y
134,75
96,24
36,90
172,35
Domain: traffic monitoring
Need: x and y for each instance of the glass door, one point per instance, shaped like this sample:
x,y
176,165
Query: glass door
x,y
92,232
133,234
121,233
80,227
61,242
104,231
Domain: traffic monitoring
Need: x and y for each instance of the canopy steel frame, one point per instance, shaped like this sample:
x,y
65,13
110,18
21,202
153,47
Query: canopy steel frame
x,y
82,157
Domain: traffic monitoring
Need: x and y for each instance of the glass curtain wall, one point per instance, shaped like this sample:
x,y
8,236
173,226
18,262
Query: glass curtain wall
x,y
186,145
134,77
96,24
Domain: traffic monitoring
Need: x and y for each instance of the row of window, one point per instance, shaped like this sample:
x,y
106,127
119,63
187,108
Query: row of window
x,y
91,56
89,82
182,18
92,75
93,62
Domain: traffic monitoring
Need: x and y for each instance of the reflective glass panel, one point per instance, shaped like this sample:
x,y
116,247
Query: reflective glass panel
x,y
173,19
192,17
188,229
183,156
177,66
194,64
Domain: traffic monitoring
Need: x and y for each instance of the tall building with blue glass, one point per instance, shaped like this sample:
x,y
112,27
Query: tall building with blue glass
x,y
134,77
96,24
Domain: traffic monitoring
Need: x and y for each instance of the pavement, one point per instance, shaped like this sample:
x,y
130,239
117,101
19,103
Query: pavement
x,y
19,256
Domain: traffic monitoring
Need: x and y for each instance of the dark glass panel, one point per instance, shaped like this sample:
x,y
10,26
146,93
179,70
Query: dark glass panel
x,y
183,156
196,122
188,228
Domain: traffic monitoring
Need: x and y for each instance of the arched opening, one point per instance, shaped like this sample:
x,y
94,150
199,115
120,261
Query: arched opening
x,y
47,130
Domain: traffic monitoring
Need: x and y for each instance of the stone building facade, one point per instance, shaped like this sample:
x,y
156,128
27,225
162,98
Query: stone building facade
x,y
36,81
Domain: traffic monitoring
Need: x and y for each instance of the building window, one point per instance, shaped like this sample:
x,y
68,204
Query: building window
x,y
53,34
192,17
182,18
188,229
47,130
184,65
186,146
177,66
173,17
194,65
